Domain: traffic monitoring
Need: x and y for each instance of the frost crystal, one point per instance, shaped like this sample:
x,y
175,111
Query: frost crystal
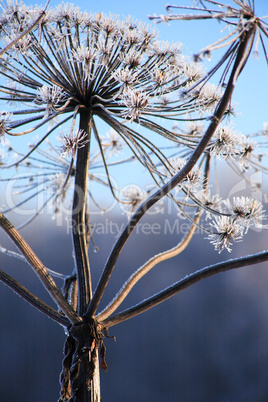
x,y
228,231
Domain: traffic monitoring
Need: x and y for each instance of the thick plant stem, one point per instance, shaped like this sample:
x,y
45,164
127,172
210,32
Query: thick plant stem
x,y
80,376
79,227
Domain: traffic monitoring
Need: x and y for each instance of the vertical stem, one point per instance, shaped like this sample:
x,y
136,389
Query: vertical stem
x,y
95,383
80,375
78,217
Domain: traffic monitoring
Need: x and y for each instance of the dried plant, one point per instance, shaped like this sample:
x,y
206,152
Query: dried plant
x,y
66,73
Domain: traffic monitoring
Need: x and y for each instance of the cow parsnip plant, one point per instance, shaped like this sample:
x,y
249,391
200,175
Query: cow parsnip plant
x,y
65,73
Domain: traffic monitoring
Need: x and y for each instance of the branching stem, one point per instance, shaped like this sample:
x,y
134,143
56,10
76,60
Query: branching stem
x,y
218,114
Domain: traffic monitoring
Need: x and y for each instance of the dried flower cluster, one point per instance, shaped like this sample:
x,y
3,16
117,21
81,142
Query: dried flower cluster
x,y
75,60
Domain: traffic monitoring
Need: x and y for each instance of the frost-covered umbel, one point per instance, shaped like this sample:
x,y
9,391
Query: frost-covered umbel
x,y
117,70
73,62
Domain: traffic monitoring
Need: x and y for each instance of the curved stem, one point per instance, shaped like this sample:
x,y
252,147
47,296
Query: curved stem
x,y
79,227
39,269
32,299
217,116
183,284
144,269
152,262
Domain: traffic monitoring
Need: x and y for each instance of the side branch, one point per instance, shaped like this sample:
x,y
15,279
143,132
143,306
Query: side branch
x,y
144,269
183,284
32,299
217,116
39,269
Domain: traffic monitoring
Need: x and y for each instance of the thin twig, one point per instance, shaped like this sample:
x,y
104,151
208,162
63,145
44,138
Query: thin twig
x,y
21,257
